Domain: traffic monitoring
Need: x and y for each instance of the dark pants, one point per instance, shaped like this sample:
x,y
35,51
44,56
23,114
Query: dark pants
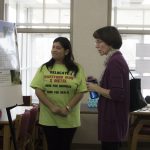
x,y
110,145
59,138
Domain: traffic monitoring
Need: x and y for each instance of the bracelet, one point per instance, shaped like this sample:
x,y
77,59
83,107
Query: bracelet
x,y
68,108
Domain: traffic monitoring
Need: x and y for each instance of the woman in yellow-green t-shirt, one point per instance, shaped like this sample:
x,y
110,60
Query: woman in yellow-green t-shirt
x,y
60,84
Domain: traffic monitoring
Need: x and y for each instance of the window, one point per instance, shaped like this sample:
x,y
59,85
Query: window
x,y
131,14
38,13
131,18
38,23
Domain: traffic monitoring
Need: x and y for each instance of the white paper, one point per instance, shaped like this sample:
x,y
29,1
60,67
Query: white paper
x,y
10,96
142,66
8,47
142,50
5,78
145,82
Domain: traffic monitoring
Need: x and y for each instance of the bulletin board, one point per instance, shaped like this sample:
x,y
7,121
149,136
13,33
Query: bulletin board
x,y
10,82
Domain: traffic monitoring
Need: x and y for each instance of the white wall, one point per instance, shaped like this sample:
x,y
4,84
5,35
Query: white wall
x,y
88,15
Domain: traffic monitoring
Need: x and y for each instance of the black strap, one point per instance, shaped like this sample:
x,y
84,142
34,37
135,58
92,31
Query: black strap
x,y
131,74
11,126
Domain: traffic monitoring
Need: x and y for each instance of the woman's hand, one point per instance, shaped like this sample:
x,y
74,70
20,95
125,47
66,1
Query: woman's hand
x,y
92,86
59,111
95,87
64,112
55,109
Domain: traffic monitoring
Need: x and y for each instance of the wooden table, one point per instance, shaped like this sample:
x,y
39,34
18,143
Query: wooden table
x,y
137,116
140,114
144,111
138,119
5,123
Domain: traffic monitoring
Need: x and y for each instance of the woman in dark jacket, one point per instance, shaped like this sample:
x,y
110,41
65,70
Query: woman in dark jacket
x,y
113,104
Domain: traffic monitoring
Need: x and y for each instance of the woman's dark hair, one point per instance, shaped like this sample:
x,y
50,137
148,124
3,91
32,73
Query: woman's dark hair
x,y
69,58
110,35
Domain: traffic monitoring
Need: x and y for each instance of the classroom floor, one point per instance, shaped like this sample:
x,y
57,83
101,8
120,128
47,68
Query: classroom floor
x,y
141,146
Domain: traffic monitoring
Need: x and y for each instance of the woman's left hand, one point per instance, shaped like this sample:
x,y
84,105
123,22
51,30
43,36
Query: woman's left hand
x,y
92,86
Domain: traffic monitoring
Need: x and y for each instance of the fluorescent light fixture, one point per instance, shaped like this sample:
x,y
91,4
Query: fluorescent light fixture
x,y
48,1
145,2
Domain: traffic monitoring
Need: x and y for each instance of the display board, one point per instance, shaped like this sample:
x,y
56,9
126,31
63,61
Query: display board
x,y
10,83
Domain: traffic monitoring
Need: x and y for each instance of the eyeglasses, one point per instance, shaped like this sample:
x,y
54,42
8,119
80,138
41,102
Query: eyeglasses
x,y
98,41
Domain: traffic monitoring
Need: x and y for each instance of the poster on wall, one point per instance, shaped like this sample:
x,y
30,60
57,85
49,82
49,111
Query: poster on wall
x,y
9,58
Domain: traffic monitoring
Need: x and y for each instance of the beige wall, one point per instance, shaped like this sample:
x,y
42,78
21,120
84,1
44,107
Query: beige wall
x,y
88,15
87,133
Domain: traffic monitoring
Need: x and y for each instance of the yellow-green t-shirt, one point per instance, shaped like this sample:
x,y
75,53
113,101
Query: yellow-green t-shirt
x,y
60,87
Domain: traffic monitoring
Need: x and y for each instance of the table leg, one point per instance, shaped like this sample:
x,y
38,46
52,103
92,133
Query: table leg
x,y
6,137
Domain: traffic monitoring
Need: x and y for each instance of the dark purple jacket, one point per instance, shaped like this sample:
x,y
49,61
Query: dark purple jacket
x,y
113,113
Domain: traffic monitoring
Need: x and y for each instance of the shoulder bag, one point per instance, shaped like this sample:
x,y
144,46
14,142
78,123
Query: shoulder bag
x,y
137,100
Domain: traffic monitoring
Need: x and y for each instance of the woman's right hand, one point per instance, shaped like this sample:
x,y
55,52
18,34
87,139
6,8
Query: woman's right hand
x,y
55,109
59,111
